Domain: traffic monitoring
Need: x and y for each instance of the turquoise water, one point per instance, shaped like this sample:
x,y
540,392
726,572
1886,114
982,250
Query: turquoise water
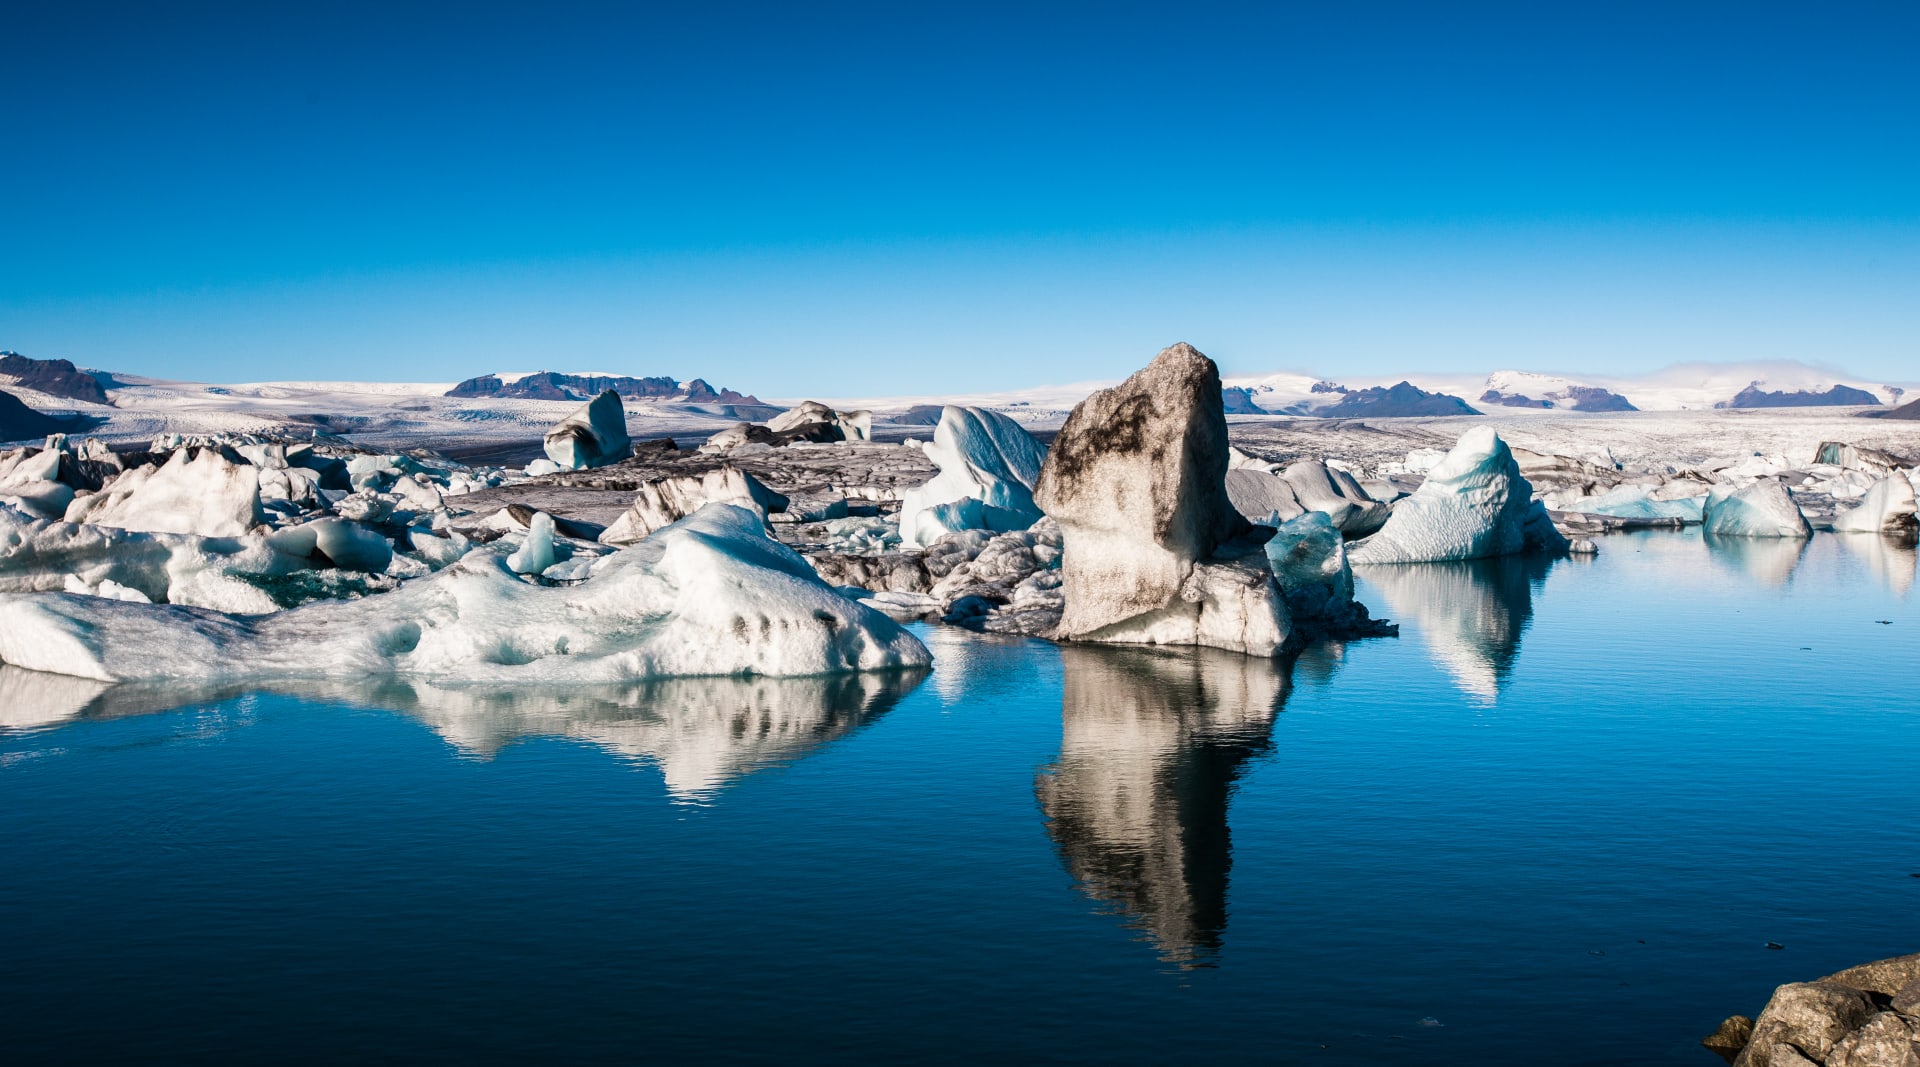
x,y
1557,820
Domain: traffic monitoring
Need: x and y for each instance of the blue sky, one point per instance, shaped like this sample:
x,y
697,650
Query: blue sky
x,y
916,198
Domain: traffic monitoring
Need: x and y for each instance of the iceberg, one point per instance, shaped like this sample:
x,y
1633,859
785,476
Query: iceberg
x,y
1335,494
1886,508
593,436
1474,505
1309,560
988,467
709,595
664,501
203,494
1763,509
1154,552
31,482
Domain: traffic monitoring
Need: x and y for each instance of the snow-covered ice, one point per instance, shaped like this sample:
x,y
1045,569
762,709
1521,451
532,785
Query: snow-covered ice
x,y
988,466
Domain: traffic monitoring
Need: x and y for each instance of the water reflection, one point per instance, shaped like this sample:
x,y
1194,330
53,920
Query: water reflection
x,y
1471,614
1770,561
702,733
1151,743
1891,560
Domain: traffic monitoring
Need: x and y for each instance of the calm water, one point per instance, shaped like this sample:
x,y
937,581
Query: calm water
x,y
1557,820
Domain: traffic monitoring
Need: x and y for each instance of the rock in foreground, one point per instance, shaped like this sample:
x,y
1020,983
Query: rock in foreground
x,y
1865,1016
1155,553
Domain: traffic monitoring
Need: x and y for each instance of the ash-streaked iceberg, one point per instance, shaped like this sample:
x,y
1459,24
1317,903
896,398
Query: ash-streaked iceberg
x,y
1154,551
988,467
1474,504
1886,508
593,436
710,595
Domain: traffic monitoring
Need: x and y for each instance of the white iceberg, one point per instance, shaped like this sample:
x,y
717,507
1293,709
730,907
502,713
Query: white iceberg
x,y
1474,505
1886,508
32,483
984,457
1763,509
593,436
665,501
710,595
202,494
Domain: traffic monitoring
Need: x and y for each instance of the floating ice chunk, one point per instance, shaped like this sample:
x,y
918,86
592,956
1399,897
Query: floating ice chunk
x,y
437,551
709,595
1474,505
1638,502
1309,559
351,546
1887,508
1763,509
536,553
664,501
984,456
107,588
204,494
540,468
593,436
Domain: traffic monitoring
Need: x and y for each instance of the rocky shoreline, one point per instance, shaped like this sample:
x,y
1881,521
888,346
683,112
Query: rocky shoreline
x,y
1865,1016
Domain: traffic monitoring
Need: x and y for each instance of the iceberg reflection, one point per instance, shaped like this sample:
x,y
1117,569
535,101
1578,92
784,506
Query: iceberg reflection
x,y
702,733
1151,743
1767,560
1471,614
1891,560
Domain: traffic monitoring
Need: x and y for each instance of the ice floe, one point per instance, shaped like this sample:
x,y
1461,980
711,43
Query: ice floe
x,y
710,595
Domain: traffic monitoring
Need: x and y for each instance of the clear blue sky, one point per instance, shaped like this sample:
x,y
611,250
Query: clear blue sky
x,y
833,199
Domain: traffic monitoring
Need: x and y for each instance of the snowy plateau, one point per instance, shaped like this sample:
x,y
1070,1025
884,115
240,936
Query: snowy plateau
x,y
596,528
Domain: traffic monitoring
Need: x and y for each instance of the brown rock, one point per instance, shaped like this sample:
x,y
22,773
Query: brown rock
x,y
1885,977
1887,1040
1802,1023
1730,1038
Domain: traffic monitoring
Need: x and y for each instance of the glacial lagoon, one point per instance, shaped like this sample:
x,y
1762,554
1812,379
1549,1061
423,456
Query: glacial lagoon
x,y
1560,818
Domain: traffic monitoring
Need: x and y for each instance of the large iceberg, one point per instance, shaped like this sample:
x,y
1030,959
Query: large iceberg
x,y
593,436
1474,505
988,466
1763,509
709,595
1154,551
204,494
1887,508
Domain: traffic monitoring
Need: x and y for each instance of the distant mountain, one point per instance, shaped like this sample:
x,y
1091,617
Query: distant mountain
x,y
1837,396
1240,401
553,385
18,422
1396,401
1909,411
1572,398
54,377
